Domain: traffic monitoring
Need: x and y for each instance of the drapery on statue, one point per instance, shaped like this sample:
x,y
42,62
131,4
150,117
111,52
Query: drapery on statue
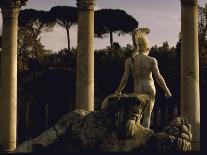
x,y
141,66
116,127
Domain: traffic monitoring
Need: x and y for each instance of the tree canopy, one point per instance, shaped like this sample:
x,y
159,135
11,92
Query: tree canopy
x,y
202,27
31,24
113,21
37,20
65,16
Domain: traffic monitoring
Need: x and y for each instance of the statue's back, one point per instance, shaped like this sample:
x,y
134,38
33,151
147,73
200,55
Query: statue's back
x,y
141,69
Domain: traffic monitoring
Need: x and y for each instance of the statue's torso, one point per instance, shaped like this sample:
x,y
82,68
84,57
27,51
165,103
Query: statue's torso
x,y
141,71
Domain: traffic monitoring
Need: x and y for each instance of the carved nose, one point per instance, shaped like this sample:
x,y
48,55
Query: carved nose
x,y
133,116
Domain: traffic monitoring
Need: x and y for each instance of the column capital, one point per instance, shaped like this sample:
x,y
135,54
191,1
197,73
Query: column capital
x,y
86,4
10,8
189,2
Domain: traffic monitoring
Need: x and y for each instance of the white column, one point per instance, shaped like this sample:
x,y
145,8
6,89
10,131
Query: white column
x,y
190,95
8,81
85,56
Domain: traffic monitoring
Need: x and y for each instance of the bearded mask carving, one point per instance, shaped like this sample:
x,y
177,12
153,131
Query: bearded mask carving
x,y
128,110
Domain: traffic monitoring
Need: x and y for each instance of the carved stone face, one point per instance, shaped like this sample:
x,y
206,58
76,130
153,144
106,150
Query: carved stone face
x,y
126,111
128,115
133,117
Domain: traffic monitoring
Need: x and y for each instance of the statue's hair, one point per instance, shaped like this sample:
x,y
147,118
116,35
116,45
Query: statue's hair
x,y
135,34
139,38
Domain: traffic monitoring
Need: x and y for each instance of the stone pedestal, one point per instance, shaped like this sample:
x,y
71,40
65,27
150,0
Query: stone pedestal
x,y
8,82
190,97
85,56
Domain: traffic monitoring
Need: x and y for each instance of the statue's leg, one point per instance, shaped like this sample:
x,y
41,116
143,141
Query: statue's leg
x,y
147,114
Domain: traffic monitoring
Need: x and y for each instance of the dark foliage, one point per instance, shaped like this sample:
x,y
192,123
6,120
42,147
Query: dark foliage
x,y
29,16
65,16
109,21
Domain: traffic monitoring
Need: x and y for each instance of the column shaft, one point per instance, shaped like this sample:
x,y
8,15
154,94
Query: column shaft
x,y
190,96
8,83
85,58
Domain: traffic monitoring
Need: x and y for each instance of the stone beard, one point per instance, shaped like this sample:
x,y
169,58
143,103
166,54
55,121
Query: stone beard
x,y
127,118
130,128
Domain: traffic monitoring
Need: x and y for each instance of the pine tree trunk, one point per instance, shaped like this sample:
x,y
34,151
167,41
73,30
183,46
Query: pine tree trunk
x,y
68,37
111,38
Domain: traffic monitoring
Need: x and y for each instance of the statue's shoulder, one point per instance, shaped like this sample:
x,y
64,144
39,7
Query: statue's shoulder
x,y
153,60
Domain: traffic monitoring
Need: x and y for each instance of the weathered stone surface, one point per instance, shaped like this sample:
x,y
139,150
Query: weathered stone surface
x,y
190,92
176,136
85,56
114,128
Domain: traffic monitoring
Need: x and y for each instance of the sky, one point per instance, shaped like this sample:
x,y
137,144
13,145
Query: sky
x,y
161,16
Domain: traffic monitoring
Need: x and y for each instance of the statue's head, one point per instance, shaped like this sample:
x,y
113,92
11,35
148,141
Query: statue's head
x,y
127,110
140,40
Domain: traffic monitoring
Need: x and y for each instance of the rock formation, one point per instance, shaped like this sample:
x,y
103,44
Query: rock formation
x,y
114,128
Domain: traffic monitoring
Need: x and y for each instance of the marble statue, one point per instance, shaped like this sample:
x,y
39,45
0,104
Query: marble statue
x,y
141,66
114,128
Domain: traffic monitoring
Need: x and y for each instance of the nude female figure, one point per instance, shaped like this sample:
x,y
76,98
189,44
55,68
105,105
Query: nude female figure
x,y
141,66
